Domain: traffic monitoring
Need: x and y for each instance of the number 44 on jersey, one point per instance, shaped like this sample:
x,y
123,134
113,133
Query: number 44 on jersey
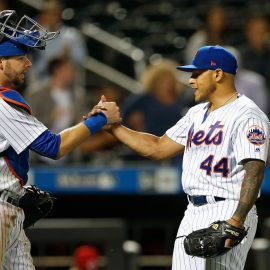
x,y
219,167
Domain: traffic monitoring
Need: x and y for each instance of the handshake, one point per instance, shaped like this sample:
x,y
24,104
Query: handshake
x,y
104,113
110,109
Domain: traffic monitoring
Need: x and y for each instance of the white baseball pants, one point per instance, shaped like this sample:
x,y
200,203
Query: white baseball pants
x,y
199,217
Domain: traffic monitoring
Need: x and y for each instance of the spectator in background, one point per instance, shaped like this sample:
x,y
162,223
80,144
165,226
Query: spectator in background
x,y
251,84
214,32
86,257
58,103
161,104
255,53
163,101
3,5
70,42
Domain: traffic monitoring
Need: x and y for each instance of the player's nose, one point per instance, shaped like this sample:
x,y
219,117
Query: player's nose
x,y
28,63
192,82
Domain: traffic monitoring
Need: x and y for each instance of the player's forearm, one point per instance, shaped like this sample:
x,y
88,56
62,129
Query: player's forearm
x,y
143,143
72,137
250,188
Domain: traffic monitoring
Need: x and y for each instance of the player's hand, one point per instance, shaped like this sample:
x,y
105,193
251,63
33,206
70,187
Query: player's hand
x,y
97,108
237,223
110,109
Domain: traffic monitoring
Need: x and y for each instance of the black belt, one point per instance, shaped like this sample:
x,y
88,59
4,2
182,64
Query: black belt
x,y
201,200
9,199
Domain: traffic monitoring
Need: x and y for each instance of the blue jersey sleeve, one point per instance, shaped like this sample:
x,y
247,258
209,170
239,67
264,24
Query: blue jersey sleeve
x,y
47,144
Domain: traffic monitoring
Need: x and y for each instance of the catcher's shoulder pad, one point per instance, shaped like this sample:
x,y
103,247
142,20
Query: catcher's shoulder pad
x,y
15,98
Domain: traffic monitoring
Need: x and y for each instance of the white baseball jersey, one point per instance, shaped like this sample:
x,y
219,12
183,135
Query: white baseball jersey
x,y
215,145
18,129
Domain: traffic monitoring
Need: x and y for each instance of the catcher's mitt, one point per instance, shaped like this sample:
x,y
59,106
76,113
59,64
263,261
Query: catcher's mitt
x,y
209,242
36,204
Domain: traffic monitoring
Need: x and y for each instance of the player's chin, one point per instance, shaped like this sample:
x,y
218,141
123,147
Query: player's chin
x,y
18,84
20,80
198,98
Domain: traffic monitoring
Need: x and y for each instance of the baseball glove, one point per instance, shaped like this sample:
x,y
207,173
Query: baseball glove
x,y
36,204
209,242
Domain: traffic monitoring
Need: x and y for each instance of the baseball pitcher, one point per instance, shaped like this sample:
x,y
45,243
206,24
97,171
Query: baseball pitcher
x,y
225,141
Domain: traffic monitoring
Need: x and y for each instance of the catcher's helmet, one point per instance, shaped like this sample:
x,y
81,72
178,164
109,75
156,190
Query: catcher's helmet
x,y
17,37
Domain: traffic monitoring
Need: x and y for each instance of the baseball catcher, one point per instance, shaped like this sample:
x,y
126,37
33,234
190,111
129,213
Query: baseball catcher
x,y
21,132
210,242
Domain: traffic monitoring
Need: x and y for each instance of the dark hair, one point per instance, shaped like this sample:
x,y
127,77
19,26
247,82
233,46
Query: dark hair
x,y
56,62
257,15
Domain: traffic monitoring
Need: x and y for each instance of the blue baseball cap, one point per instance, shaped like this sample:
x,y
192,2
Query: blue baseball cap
x,y
212,57
10,48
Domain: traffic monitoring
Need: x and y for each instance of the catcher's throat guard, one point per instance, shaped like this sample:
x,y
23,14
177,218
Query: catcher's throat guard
x,y
209,242
26,31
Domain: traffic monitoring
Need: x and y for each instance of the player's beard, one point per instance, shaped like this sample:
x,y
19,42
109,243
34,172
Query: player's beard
x,y
204,95
19,83
14,78
19,80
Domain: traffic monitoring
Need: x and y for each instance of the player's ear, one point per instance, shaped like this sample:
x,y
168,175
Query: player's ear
x,y
1,62
219,74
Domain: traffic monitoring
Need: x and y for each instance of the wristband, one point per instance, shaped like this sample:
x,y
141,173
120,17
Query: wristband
x,y
96,122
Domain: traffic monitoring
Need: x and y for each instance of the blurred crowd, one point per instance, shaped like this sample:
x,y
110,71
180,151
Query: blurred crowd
x,y
57,93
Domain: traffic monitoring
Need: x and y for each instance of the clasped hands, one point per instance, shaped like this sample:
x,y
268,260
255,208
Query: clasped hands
x,y
109,109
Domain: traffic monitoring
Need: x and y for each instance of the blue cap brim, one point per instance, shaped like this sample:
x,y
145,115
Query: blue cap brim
x,y
188,68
